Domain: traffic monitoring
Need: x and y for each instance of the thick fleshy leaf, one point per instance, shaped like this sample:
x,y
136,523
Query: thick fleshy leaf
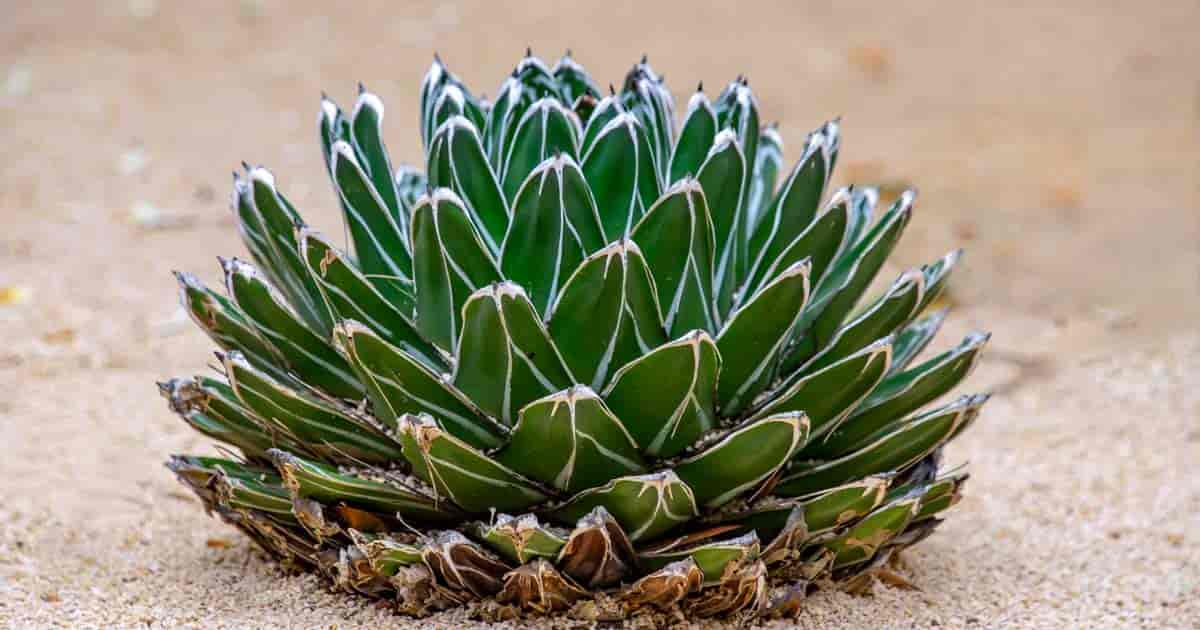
x,y
450,262
571,441
893,447
227,325
533,73
901,394
437,81
896,307
212,408
650,186
458,472
330,123
676,239
512,99
666,399
767,163
645,96
410,185
711,557
398,384
546,130
914,338
607,314
612,166
942,494
860,543
555,226
521,539
744,458
828,396
573,80
321,426
505,356
352,296
722,177
695,138
261,492
385,495
366,124
605,111
598,553
307,354
267,223
794,206
847,279
937,275
379,240
753,340
822,512
645,505
820,242
456,160
737,109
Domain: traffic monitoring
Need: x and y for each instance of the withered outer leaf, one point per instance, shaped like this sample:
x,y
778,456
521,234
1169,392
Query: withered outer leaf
x,y
538,586
664,588
598,553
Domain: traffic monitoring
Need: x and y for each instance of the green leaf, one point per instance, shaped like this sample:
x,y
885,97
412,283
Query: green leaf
x,y
846,281
458,472
901,394
645,96
612,166
352,296
645,505
794,205
410,185
505,356
267,223
822,512
366,125
436,82
605,111
829,395
667,398
512,100
545,130
382,494
555,225
896,307
456,161
711,557
739,112
744,458
399,384
941,495
820,242
695,138
937,274
753,340
860,543
450,262
768,161
571,441
309,355
649,183
387,556
227,325
892,448
329,124
380,244
607,314
722,177
210,407
914,338
676,239
520,539
248,494
321,426
573,80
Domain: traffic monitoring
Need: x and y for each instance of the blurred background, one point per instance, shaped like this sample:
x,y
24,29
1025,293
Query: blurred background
x,y
1060,145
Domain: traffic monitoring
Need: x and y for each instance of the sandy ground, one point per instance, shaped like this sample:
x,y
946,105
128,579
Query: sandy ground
x,y
1061,147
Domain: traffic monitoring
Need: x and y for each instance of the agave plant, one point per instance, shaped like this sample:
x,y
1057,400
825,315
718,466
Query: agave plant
x,y
592,361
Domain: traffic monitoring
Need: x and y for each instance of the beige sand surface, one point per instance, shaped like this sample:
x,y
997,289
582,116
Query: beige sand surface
x,y
1061,147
